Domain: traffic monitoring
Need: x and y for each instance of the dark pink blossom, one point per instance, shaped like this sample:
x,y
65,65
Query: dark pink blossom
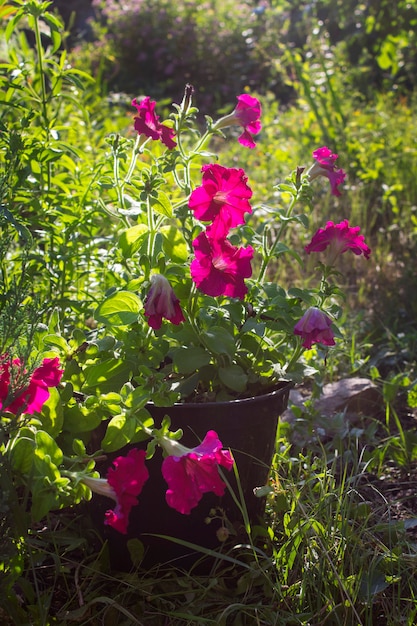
x,y
246,114
147,123
340,237
190,473
315,327
220,268
325,165
126,479
223,198
161,302
18,394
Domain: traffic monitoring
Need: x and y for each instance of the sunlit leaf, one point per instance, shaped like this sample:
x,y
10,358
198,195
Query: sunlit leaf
x,y
120,309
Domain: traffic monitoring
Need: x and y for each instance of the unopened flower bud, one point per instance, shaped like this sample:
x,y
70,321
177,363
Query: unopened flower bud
x,y
222,534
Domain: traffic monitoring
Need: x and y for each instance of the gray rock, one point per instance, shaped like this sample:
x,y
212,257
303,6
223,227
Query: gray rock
x,y
342,405
352,395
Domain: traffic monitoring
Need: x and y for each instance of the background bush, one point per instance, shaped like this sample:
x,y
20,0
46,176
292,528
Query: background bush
x,y
217,45
223,46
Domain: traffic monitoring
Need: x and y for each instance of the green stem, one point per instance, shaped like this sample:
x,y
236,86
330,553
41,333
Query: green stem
x,y
152,231
41,75
185,185
269,255
139,145
44,98
121,183
295,357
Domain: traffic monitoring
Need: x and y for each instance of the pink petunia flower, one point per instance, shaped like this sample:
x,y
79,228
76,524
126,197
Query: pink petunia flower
x,y
147,123
220,268
340,237
20,395
161,302
315,327
246,114
124,483
190,473
325,165
223,198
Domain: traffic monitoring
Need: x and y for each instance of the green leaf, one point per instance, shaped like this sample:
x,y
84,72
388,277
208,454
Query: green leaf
x,y
7,10
252,325
120,431
52,416
288,188
136,551
233,377
57,341
281,248
109,375
131,239
411,397
219,341
12,24
47,447
78,447
188,360
47,486
79,420
23,451
23,232
174,244
120,309
162,204
53,22
76,73
111,401
138,398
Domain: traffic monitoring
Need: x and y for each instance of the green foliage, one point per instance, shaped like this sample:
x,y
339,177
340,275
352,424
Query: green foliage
x,y
50,161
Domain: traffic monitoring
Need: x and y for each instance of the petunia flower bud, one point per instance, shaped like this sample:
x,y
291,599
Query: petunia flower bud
x,y
315,327
161,302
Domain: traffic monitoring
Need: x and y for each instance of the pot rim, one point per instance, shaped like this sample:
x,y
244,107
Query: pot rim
x,y
282,387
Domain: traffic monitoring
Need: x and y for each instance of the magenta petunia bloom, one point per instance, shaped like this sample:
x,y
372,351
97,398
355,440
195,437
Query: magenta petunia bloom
x,y
20,395
325,165
223,198
147,123
126,480
247,114
340,237
315,327
191,473
161,302
220,268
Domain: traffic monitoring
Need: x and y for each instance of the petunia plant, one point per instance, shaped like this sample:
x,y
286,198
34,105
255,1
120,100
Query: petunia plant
x,y
199,297
197,313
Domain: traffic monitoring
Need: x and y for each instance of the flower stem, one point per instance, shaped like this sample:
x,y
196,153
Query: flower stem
x,y
269,255
295,357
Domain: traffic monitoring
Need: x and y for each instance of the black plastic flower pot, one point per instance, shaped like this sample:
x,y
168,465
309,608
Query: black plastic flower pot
x,y
248,427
